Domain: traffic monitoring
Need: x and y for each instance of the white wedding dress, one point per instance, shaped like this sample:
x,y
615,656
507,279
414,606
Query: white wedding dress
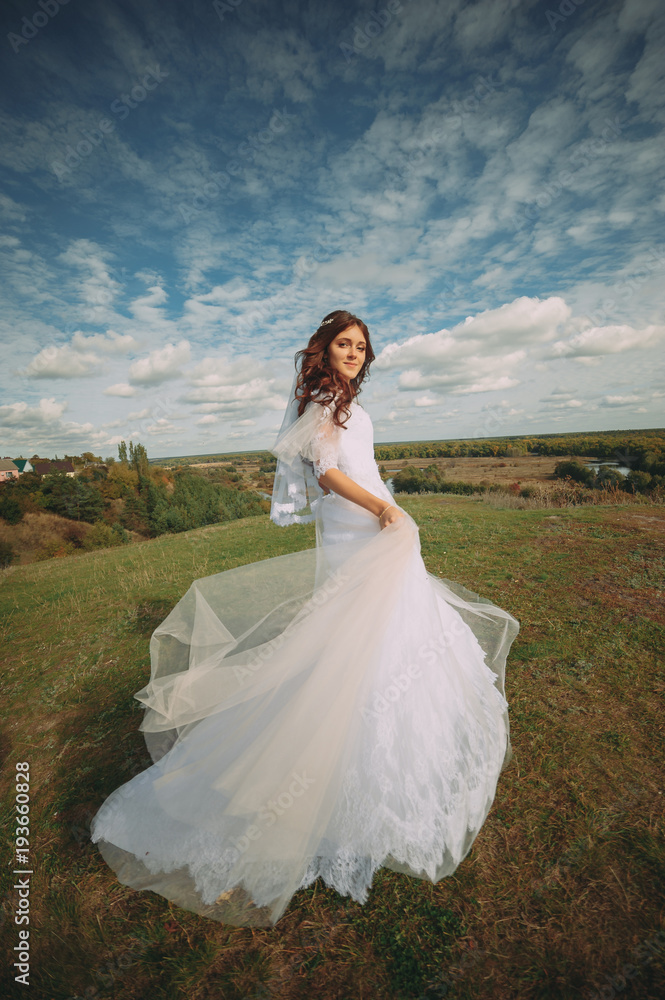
x,y
316,714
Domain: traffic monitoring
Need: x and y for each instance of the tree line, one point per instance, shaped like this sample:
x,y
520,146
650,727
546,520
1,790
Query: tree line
x,y
639,449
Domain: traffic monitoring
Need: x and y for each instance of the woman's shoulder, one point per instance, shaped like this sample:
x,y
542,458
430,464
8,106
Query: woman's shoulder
x,y
328,406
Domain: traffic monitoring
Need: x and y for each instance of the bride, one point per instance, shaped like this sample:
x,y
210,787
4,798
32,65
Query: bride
x,y
322,713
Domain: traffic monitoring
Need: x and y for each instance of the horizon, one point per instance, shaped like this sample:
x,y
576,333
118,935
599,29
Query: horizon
x,y
377,444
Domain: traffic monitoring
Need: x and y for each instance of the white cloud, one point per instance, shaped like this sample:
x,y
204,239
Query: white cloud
x,y
620,400
62,362
257,392
108,343
146,308
23,415
78,359
120,389
228,372
161,426
161,365
480,354
608,340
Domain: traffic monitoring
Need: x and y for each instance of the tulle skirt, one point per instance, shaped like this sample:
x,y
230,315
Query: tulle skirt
x,y
318,714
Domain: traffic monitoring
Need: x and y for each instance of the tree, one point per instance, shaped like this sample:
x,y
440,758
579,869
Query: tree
x,y
10,508
72,498
122,453
575,470
607,476
139,459
637,481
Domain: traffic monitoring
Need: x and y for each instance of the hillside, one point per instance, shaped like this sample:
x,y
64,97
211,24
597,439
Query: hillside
x,y
563,882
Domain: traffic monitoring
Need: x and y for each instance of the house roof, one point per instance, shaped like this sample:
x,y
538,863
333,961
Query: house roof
x,y
21,463
47,467
6,465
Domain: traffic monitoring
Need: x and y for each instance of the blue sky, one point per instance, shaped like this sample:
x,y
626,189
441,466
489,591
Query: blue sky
x,y
187,189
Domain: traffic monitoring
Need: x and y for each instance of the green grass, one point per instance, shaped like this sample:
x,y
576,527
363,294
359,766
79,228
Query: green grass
x,y
564,880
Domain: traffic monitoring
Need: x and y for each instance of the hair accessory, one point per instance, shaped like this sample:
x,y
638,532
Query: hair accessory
x,y
331,320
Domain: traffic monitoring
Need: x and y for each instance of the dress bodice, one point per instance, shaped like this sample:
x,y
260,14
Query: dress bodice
x,y
356,449
350,449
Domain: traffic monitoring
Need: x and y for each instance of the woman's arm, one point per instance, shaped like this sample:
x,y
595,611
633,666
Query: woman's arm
x,y
340,483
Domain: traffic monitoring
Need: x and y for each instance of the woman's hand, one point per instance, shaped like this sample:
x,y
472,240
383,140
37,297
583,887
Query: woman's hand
x,y
389,515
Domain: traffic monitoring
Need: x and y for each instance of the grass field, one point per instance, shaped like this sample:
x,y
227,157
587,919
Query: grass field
x,y
564,888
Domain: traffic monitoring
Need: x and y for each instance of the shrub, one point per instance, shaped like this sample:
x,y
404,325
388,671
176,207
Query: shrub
x,y
573,469
53,548
100,536
121,536
607,476
10,509
7,554
414,480
75,532
637,481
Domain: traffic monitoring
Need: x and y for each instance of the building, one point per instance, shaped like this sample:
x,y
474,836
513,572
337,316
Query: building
x,y
47,468
23,465
8,470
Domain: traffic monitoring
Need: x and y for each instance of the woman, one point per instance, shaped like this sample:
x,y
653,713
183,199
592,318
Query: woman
x,y
322,713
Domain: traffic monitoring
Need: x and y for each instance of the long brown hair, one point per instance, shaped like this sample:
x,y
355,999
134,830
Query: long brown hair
x,y
318,378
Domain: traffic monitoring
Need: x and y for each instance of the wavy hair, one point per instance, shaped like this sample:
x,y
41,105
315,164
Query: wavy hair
x,y
317,378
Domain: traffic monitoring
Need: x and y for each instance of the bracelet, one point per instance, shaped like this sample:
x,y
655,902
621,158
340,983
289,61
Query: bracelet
x,y
384,510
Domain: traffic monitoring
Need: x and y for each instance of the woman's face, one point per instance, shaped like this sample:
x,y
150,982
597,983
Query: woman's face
x,y
346,352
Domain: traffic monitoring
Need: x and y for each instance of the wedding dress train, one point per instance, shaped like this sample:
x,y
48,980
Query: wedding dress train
x,y
318,714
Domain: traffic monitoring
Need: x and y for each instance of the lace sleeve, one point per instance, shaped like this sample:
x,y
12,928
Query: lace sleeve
x,y
305,449
323,450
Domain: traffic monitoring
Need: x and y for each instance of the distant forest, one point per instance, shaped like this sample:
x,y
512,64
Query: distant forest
x,y
638,449
640,446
